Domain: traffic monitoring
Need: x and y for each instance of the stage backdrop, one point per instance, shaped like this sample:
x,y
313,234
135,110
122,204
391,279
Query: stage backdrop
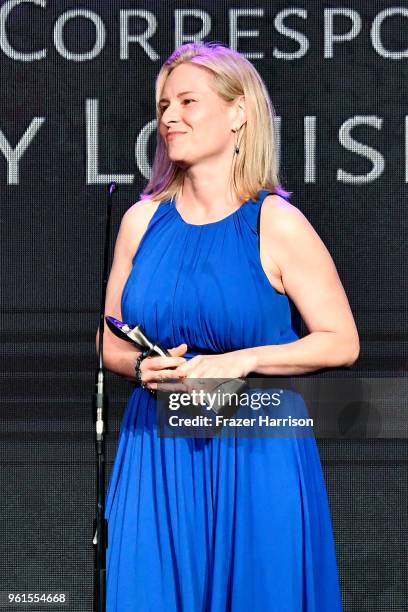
x,y
76,112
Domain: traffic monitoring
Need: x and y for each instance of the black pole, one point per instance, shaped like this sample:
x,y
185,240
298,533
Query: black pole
x,y
99,413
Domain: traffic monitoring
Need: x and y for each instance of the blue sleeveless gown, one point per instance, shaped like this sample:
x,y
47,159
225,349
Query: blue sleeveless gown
x,y
213,524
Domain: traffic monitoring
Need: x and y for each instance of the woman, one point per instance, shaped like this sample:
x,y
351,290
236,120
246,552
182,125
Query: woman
x,y
219,524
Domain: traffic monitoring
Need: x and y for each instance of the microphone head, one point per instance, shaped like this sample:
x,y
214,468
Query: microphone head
x,y
112,188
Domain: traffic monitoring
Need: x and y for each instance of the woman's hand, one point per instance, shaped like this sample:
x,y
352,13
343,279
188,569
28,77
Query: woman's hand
x,y
236,364
154,370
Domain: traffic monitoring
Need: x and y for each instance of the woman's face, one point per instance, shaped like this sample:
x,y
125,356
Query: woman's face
x,y
197,116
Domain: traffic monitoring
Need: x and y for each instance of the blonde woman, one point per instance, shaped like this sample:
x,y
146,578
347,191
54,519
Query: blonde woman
x,y
219,524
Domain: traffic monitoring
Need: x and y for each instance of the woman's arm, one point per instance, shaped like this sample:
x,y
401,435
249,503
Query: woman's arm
x,y
310,279
119,356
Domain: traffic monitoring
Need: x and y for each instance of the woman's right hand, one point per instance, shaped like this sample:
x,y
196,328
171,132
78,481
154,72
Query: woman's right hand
x,y
156,370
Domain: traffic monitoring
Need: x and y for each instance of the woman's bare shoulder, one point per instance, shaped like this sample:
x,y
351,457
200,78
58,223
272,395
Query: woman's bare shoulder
x,y
140,211
290,238
280,217
277,205
134,224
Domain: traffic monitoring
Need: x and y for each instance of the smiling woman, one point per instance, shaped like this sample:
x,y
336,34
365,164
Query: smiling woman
x,y
210,101
198,129
211,279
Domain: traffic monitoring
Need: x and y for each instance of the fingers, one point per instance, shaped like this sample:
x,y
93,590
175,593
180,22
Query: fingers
x,y
178,350
160,363
161,375
156,370
166,381
189,366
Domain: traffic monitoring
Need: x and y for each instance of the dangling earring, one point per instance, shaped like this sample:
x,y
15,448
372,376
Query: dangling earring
x,y
236,151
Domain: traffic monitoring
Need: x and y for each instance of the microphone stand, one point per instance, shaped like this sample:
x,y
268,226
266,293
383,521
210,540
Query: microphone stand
x,y
99,413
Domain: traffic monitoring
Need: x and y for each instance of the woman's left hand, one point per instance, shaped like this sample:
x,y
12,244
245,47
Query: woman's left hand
x,y
237,364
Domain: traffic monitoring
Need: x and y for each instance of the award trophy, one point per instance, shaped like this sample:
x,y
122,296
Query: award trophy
x,y
137,336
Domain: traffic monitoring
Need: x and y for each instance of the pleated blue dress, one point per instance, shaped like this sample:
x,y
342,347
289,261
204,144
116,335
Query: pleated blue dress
x,y
213,524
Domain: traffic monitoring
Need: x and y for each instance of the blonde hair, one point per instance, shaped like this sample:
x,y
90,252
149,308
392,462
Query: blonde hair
x,y
256,165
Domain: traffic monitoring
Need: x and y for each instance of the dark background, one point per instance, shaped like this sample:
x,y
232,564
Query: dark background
x,y
52,224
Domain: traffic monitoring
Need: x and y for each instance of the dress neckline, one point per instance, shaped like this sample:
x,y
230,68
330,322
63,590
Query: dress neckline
x,y
211,223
